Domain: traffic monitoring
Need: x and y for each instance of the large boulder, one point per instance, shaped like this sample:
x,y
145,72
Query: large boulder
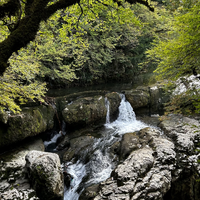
x,y
138,97
162,167
77,147
147,99
30,122
114,100
45,175
13,178
62,101
133,141
158,98
85,111
89,110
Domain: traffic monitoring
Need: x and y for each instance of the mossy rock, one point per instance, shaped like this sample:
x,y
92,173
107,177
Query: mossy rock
x,y
85,111
30,122
138,98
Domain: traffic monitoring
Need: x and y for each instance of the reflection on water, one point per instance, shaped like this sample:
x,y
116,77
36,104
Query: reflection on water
x,y
116,87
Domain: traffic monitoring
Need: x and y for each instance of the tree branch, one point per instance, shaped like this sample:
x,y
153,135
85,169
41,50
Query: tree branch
x,y
80,14
9,9
27,27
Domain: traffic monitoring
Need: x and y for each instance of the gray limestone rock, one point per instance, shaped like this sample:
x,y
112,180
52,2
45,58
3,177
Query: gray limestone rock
x,y
163,167
14,183
147,99
45,175
89,110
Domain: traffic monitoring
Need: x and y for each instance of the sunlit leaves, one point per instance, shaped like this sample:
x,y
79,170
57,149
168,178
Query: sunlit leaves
x,y
177,54
85,39
18,85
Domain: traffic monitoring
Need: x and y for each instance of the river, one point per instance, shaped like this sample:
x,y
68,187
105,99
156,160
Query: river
x,y
101,162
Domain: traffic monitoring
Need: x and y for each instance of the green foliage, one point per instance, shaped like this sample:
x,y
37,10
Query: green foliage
x,y
98,41
81,39
87,42
181,6
18,84
177,55
182,103
155,27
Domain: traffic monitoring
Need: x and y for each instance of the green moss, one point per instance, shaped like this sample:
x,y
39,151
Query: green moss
x,y
31,121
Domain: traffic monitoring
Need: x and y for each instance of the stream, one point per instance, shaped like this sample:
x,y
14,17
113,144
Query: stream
x,y
102,162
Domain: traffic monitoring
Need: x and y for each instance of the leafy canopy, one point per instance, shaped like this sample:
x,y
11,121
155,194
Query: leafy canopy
x,y
23,19
177,55
83,42
18,84
80,36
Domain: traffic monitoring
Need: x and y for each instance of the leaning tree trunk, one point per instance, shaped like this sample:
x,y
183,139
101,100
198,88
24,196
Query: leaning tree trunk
x,y
26,28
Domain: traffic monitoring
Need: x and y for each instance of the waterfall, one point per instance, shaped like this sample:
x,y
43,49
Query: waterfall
x,y
107,103
101,164
126,121
53,140
77,171
126,113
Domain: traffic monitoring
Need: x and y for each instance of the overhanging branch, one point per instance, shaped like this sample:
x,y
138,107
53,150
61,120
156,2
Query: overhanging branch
x,y
27,27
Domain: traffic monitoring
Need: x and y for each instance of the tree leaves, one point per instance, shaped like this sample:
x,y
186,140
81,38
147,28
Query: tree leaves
x,y
18,85
177,54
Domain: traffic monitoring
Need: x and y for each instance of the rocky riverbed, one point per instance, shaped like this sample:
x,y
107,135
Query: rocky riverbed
x,y
161,167
149,164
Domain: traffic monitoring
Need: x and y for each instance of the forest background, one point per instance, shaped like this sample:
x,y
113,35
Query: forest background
x,y
95,41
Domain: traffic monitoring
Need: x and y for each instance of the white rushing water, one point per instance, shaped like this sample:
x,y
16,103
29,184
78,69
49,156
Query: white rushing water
x,y
54,139
77,171
108,110
100,164
126,121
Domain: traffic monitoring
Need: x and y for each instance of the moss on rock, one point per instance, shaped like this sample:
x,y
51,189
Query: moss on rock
x,y
32,121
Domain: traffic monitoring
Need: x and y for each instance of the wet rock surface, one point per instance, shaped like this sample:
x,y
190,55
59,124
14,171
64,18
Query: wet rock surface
x,y
153,169
90,192
133,141
78,110
88,110
78,146
14,182
152,166
147,100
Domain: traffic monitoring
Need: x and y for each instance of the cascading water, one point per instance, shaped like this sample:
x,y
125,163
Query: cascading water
x,y
77,171
101,164
108,110
51,144
126,121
